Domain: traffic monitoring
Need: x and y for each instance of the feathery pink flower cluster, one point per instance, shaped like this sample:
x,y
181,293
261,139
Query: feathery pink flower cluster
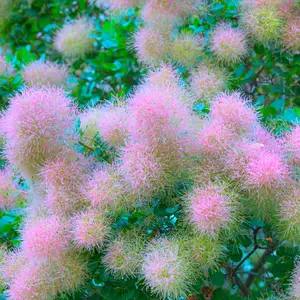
x,y
89,229
104,189
37,125
45,238
151,45
45,73
291,34
293,145
8,190
165,272
123,255
206,82
74,40
62,180
228,44
294,289
289,214
233,111
209,210
112,125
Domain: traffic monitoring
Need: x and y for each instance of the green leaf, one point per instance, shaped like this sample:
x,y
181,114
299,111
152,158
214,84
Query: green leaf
x,y
218,278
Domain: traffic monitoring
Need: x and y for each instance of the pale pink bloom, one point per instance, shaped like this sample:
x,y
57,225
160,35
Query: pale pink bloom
x,y
157,115
141,168
291,34
45,73
104,189
165,272
209,209
36,125
258,3
266,171
90,229
151,45
229,44
207,82
123,254
261,136
289,215
74,40
235,112
62,180
45,279
294,289
31,284
215,138
12,263
292,144
112,124
45,238
162,12
287,7
166,77
122,4
8,189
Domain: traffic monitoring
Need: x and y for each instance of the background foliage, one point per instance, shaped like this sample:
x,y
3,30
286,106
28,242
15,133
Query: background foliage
x,y
269,76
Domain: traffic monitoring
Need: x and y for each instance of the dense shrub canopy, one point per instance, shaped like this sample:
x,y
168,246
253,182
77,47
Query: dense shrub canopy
x,y
150,149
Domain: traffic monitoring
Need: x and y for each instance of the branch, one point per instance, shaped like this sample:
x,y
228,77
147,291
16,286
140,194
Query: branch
x,y
259,265
242,286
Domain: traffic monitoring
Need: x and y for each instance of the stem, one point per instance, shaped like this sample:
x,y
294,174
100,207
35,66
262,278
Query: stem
x,y
241,285
259,265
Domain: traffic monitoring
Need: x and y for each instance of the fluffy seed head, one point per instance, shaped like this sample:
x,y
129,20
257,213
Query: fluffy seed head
x,y
228,44
104,188
291,34
292,143
123,255
8,190
186,49
209,209
207,82
112,124
36,125
73,40
45,238
165,272
43,280
154,11
11,265
215,138
157,115
62,180
151,45
266,171
31,284
122,4
90,229
265,24
45,73
88,124
233,110
141,169
203,252
289,216
294,289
